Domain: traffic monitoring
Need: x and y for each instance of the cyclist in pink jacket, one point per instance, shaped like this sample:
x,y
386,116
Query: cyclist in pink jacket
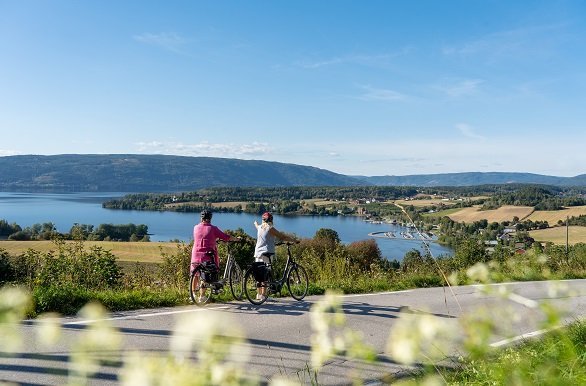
x,y
204,241
205,249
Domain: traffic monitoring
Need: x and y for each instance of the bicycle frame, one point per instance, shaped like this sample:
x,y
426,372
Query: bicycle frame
x,y
232,277
294,276
230,261
288,265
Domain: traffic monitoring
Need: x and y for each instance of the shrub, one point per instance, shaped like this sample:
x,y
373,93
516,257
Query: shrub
x,y
93,269
6,269
363,254
175,268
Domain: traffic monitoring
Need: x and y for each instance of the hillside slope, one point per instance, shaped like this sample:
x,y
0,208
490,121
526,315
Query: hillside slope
x,y
475,178
153,173
167,173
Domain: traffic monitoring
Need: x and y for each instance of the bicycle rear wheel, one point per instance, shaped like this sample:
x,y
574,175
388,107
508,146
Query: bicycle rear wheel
x,y
236,281
297,282
252,288
200,291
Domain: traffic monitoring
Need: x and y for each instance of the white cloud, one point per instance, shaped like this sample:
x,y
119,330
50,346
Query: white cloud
x,y
459,88
204,149
519,42
380,94
469,131
167,40
5,152
365,60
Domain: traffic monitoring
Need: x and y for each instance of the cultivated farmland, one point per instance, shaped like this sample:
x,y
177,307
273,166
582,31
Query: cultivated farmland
x,y
504,213
553,216
557,235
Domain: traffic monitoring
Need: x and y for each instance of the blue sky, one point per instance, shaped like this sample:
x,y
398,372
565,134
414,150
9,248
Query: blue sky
x,y
355,87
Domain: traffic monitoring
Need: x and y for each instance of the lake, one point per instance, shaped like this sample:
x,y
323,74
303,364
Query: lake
x,y
66,209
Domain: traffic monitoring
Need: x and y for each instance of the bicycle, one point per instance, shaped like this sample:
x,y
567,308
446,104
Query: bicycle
x,y
201,283
294,276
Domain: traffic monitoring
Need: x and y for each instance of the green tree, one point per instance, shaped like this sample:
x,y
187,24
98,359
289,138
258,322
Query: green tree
x,y
470,251
328,235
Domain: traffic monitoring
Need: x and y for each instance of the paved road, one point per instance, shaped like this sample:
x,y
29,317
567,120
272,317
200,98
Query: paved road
x,y
279,332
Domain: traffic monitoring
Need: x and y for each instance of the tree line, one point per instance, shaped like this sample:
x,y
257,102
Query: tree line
x,y
280,200
539,197
48,231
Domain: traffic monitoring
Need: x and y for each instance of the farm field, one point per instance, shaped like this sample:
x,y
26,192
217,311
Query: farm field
x,y
125,251
425,202
553,216
434,201
504,213
557,235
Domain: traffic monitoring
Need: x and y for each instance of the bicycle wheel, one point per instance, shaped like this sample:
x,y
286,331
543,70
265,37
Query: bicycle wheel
x,y
297,282
199,290
236,282
252,288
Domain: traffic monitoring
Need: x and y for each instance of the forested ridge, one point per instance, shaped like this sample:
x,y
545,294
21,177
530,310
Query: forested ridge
x,y
153,173
167,173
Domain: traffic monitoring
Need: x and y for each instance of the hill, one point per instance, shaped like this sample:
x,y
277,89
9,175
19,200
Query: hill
x,y
167,173
474,178
153,173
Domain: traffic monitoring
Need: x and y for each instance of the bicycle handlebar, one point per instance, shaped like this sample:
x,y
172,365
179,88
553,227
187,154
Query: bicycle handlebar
x,y
287,242
229,241
240,240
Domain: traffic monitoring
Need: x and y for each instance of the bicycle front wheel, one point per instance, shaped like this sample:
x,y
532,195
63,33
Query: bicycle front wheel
x,y
236,281
255,291
297,282
199,290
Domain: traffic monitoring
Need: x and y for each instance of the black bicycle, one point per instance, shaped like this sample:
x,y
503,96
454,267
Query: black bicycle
x,y
259,282
204,282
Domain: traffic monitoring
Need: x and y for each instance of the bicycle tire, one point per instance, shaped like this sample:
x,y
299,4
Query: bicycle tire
x,y
236,281
297,282
251,288
196,283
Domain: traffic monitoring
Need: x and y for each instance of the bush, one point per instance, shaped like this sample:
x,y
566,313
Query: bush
x,y
363,254
93,269
175,268
6,269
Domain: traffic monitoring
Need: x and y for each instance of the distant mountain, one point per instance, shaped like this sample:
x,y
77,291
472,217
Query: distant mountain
x,y
166,173
474,178
153,173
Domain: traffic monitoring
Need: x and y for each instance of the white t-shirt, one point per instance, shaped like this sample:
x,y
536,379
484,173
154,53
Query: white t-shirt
x,y
265,242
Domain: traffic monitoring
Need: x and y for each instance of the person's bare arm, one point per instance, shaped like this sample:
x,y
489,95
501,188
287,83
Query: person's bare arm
x,y
280,235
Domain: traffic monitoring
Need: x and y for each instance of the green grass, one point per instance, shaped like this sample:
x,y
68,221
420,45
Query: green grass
x,y
68,300
557,359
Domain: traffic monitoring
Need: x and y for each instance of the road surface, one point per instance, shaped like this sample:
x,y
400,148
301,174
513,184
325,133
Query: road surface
x,y
279,332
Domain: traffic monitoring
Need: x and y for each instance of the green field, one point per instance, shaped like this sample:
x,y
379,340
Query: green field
x,y
125,251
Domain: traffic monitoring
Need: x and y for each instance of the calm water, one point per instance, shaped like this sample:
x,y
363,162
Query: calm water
x,y
64,210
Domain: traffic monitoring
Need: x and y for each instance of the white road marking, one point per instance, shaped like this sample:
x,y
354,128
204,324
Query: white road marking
x,y
137,316
517,338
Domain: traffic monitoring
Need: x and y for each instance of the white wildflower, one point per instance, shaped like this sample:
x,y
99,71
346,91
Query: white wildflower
x,y
479,272
49,331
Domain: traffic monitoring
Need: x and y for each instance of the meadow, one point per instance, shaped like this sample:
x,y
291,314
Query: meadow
x,y
131,252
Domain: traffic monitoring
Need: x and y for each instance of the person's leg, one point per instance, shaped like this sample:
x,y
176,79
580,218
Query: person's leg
x,y
262,290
